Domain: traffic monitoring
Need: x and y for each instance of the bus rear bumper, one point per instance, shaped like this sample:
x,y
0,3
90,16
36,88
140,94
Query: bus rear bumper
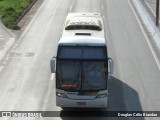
x,y
93,103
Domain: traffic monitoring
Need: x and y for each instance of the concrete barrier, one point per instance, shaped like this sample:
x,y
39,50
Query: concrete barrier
x,y
26,11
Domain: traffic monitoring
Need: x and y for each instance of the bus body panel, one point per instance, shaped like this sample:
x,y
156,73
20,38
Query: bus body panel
x,y
82,101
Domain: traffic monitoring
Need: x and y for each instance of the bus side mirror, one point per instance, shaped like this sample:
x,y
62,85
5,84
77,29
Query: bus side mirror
x,y
53,65
111,66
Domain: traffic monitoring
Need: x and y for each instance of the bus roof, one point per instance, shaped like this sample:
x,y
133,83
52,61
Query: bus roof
x,y
87,28
82,41
84,14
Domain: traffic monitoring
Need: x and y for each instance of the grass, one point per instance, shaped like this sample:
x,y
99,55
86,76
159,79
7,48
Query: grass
x,y
10,11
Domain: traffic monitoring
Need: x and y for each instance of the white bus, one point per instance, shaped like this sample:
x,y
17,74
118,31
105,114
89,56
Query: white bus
x,y
82,67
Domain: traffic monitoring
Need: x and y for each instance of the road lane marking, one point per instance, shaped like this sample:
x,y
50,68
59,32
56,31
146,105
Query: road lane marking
x,y
1,68
7,45
144,33
16,44
14,47
18,41
52,77
30,50
6,59
71,6
1,37
102,7
48,94
12,38
4,62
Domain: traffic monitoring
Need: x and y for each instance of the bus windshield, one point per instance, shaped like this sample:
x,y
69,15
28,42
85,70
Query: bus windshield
x,y
82,68
69,75
76,75
94,77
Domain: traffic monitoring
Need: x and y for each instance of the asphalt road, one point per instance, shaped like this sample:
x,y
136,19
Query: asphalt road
x,y
26,83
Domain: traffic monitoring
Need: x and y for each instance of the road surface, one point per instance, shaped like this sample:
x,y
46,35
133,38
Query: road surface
x,y
26,83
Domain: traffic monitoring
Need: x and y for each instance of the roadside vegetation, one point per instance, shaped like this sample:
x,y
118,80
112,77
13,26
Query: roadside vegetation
x,y
10,11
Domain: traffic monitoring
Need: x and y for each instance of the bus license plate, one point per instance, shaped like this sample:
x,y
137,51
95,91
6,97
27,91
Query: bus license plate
x,y
81,103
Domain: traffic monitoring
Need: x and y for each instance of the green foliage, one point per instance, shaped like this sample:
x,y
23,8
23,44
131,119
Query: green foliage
x,y
10,11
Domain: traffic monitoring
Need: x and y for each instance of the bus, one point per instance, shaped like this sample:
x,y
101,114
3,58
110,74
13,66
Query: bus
x,y
82,67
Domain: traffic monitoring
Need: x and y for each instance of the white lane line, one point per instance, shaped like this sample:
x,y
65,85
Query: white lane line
x,y
18,41
14,47
4,62
147,39
33,19
11,38
16,44
1,68
102,7
1,37
12,51
52,77
30,50
6,47
71,6
6,59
